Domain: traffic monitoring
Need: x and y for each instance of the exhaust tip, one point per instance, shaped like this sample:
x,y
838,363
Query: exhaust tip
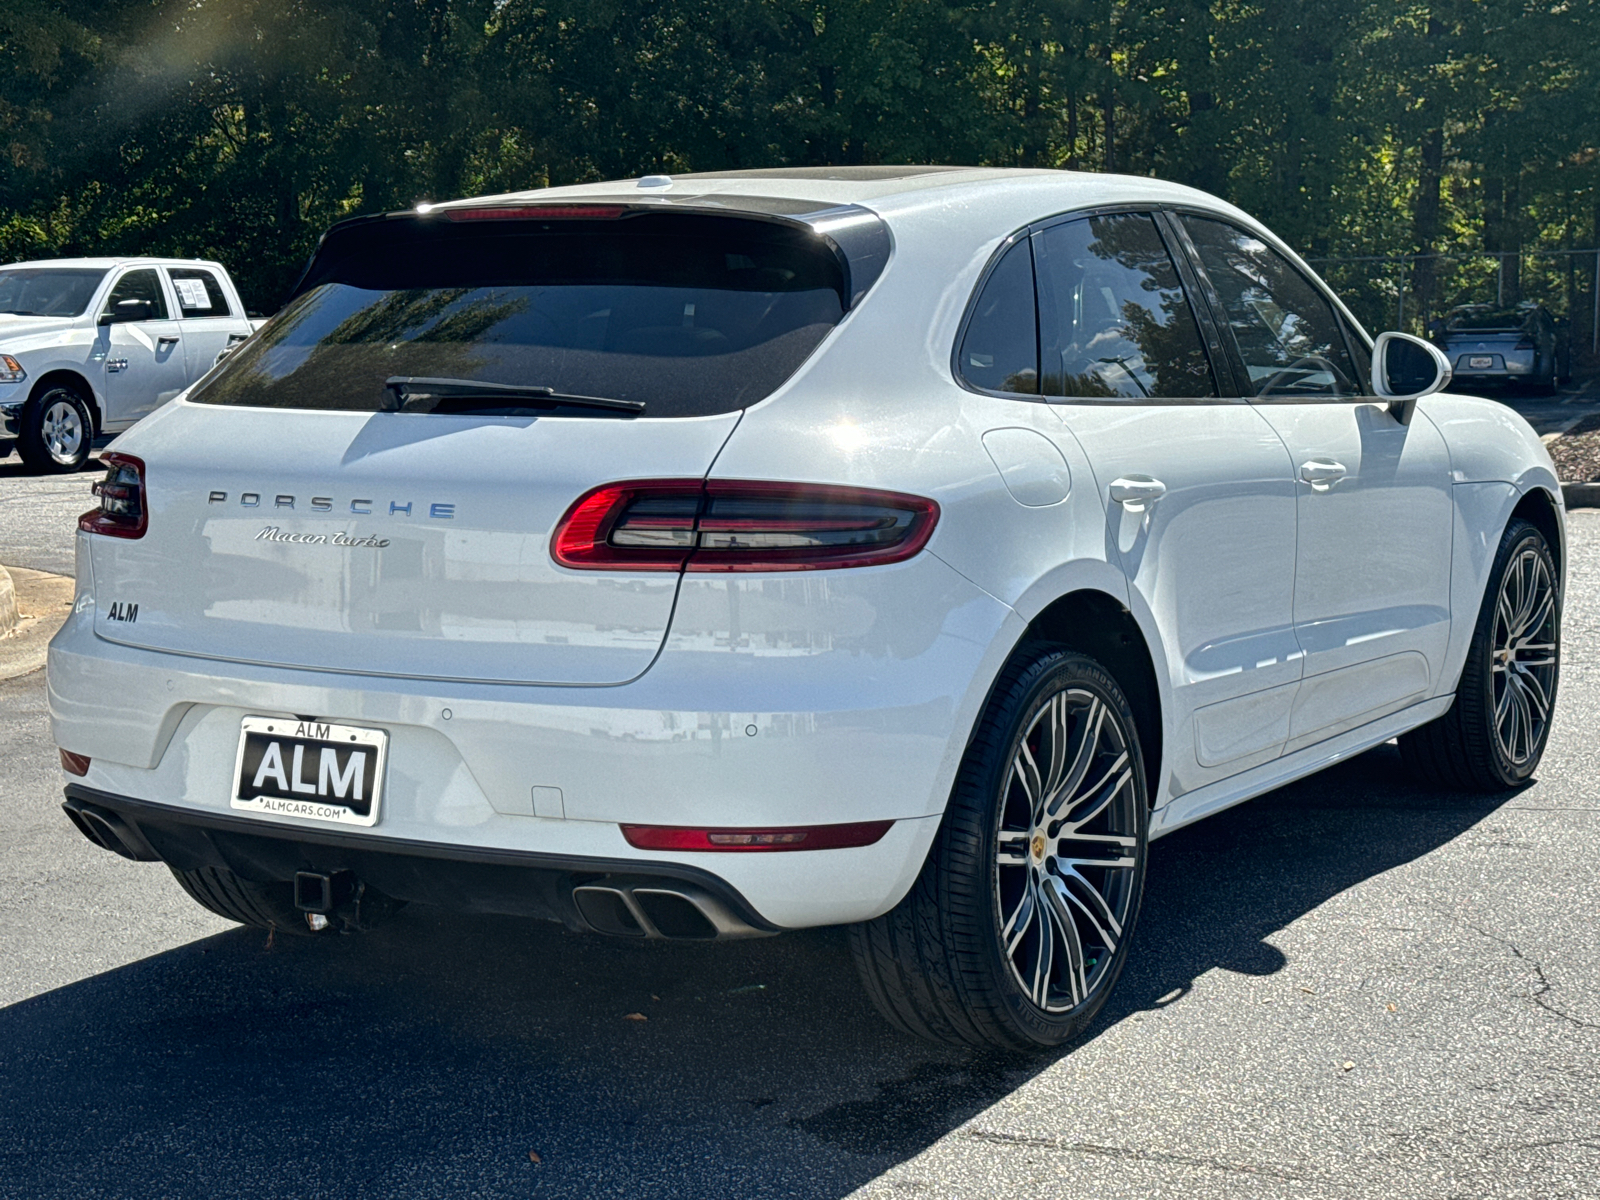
x,y
606,910
109,831
659,909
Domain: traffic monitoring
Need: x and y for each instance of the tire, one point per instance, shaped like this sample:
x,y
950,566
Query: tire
x,y
263,905
948,963
1495,733
57,432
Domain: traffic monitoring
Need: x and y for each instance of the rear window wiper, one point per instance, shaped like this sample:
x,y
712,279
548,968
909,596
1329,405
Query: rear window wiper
x,y
474,397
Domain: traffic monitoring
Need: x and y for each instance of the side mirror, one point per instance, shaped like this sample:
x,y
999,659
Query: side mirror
x,y
1405,369
127,310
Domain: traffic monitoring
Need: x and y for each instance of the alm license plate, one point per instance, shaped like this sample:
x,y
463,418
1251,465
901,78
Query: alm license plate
x,y
1481,362
311,769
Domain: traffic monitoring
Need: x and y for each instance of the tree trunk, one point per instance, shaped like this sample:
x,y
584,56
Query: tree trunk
x,y
1425,225
1108,100
1072,130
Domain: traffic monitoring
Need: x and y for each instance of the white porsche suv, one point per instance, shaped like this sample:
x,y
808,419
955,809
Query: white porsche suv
x,y
708,556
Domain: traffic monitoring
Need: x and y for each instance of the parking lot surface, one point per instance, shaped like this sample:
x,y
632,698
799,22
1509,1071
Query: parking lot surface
x,y
1347,988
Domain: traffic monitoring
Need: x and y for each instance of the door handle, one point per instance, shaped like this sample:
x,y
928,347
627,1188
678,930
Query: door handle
x,y
1136,492
1322,473
170,339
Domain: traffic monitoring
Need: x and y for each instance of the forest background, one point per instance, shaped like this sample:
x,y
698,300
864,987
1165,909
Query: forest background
x,y
1421,155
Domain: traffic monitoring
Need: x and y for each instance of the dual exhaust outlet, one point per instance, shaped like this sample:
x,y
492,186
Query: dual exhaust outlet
x,y
659,909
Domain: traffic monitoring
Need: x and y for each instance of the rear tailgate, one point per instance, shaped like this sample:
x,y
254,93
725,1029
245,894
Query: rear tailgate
x,y
371,483
388,543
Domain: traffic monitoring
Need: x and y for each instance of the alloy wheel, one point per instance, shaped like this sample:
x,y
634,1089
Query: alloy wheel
x,y
62,431
1524,655
1068,850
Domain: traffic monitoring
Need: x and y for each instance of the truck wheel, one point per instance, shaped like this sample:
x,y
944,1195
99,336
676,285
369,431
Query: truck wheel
x,y
57,431
1494,734
1018,927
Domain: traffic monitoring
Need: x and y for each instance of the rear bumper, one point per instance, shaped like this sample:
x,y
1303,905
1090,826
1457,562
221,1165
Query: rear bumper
x,y
724,731
517,883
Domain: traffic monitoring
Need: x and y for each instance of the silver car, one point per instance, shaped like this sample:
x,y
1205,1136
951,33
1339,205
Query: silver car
x,y
1487,345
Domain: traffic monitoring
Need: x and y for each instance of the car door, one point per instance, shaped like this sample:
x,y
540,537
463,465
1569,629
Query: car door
x,y
1200,502
1372,569
142,348
209,324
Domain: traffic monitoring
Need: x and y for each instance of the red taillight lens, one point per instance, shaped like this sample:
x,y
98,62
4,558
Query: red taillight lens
x,y
740,525
73,764
122,512
1524,344
803,837
537,212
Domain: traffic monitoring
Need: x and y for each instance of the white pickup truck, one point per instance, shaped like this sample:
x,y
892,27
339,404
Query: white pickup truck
x,y
90,345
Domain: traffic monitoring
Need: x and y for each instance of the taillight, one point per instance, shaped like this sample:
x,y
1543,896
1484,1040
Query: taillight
x,y
802,837
122,512
1524,344
739,525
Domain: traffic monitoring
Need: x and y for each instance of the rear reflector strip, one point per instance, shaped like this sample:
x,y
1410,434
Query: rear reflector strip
x,y
739,525
802,837
73,764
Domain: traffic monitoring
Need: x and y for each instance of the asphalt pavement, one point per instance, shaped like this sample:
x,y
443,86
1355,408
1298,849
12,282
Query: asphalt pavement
x,y
1350,987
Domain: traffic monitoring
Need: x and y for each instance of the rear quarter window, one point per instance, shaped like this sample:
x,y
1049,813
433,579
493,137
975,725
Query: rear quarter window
x,y
199,294
691,315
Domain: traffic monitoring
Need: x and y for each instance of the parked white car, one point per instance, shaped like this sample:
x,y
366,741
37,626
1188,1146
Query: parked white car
x,y
91,345
901,548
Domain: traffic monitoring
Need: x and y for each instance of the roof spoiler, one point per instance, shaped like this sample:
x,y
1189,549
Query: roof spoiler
x,y
858,237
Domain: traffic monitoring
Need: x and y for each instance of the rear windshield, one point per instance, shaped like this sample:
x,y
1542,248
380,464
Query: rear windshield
x,y
1489,321
689,315
48,291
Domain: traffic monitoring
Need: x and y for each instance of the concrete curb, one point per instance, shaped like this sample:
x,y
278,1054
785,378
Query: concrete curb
x,y
8,603
1581,495
42,601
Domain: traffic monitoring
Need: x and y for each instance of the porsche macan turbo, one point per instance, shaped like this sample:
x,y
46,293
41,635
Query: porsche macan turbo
x,y
706,556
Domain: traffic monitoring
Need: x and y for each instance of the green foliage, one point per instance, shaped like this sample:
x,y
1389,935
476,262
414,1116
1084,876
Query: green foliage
x,y
240,129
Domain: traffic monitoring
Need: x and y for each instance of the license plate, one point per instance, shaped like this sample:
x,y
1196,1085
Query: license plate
x,y
1481,362
311,769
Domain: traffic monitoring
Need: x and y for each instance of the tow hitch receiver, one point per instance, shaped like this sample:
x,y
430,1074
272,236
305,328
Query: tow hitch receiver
x,y
315,892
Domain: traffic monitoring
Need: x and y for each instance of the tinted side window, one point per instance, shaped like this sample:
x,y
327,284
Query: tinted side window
x,y
140,285
1113,317
1285,329
1000,351
199,293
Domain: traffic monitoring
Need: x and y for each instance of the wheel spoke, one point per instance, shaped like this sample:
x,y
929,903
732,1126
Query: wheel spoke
x,y
1026,772
1102,793
1082,757
1088,900
1071,941
1016,928
1521,719
1533,689
1044,955
1539,616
